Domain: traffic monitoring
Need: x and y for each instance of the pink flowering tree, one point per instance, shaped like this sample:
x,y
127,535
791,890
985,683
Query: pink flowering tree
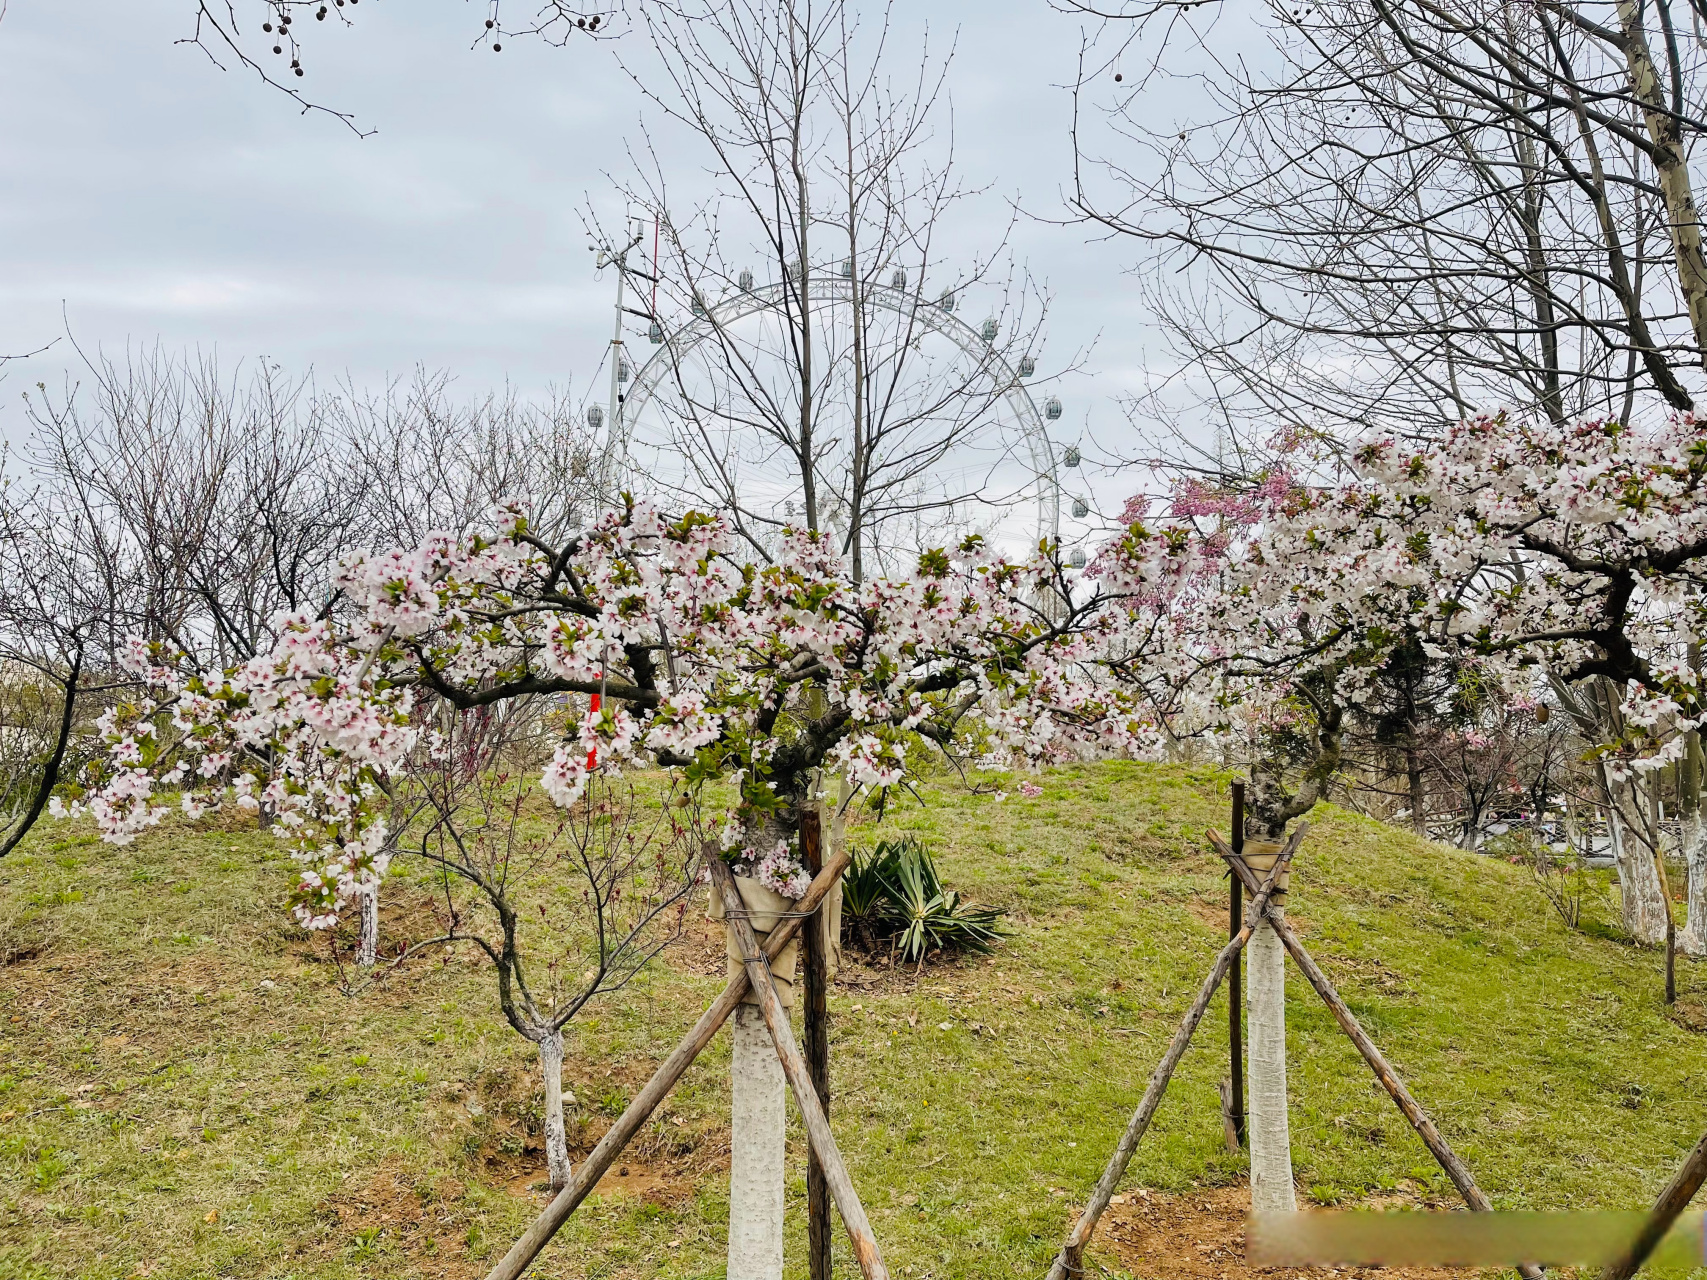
x,y
1276,638
700,661
1570,555
1579,550
658,646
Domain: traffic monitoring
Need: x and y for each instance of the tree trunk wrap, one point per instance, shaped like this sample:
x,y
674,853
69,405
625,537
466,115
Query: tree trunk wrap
x,y
833,824
1266,1119
865,1249
765,908
758,1114
556,1136
758,1104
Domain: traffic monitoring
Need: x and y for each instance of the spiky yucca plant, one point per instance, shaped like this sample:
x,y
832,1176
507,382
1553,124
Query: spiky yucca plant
x,y
894,894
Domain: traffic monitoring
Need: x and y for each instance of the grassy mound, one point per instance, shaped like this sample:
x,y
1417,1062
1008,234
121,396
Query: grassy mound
x,y
184,1092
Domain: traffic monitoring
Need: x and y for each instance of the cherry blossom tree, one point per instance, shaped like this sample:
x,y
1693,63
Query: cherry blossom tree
x,y
660,647
701,663
165,498
1565,553
1532,552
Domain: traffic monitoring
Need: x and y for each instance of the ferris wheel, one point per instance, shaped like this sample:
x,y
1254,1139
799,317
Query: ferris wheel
x,y
959,445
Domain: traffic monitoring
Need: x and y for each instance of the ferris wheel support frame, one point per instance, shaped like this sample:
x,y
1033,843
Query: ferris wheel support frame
x,y
830,288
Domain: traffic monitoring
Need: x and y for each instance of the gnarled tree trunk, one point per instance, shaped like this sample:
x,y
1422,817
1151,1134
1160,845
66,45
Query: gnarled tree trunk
x,y
556,1134
367,945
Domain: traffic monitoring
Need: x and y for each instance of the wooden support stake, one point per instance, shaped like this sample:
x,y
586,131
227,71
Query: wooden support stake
x,y
816,1034
1672,1202
818,1133
1229,1127
1235,983
1443,1154
1071,1260
620,1134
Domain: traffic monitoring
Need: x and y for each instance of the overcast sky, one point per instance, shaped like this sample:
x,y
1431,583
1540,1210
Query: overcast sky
x,y
149,196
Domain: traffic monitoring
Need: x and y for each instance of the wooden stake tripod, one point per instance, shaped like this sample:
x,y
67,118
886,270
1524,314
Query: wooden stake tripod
x,y
755,976
1070,1261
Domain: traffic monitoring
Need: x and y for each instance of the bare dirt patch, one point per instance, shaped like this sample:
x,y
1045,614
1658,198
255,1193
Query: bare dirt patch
x,y
700,950
1210,911
663,1183
396,1213
1691,1015
423,1219
503,1111
1200,1235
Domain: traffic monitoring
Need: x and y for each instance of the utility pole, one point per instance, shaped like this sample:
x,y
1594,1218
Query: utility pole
x,y
617,434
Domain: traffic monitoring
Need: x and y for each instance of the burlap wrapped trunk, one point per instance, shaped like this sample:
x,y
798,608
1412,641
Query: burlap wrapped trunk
x,y
1260,857
766,908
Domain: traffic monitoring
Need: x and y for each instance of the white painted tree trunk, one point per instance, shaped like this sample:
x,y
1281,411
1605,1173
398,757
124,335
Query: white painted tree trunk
x,y
1693,940
367,945
1644,904
556,1136
1270,1136
757,1130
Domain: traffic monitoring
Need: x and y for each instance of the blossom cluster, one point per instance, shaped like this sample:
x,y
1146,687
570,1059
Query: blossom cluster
x,y
701,660
1523,549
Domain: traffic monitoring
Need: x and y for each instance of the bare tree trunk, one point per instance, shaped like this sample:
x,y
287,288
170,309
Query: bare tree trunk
x,y
367,946
1645,909
1419,793
1671,163
556,1135
1265,1002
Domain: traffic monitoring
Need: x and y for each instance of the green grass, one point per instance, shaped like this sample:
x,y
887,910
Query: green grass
x,y
162,1109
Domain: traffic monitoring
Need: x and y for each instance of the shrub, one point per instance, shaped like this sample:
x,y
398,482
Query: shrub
x,y
894,895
